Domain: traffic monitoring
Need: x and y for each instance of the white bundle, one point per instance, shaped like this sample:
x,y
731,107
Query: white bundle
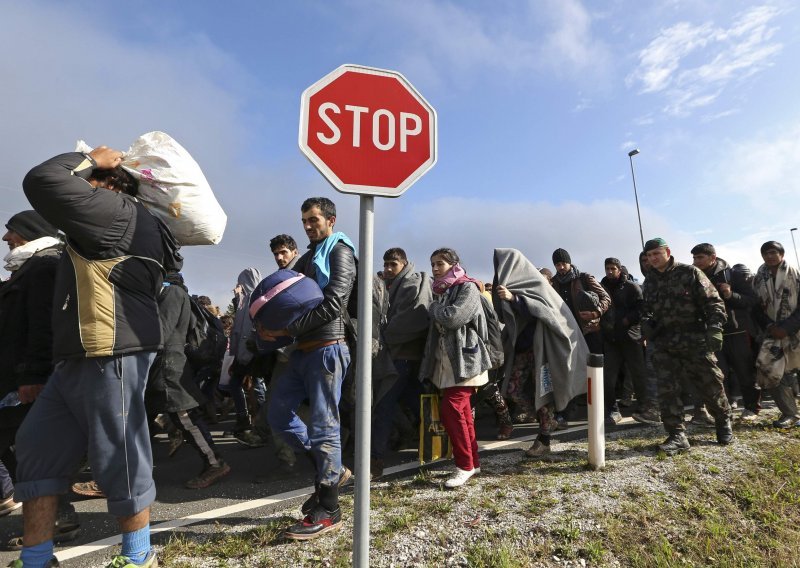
x,y
173,188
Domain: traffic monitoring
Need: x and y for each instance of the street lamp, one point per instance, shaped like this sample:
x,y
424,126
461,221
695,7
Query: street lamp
x,y
631,154
791,232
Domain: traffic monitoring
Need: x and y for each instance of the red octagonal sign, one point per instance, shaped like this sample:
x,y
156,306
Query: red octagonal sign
x,y
368,131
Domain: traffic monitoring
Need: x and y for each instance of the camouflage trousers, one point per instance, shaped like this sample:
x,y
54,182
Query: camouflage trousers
x,y
680,375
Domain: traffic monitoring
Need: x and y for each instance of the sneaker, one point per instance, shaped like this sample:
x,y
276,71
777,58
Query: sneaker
x,y
120,561
210,475
316,523
312,501
702,418
538,450
66,529
17,563
88,489
7,505
725,433
647,416
613,418
460,478
785,422
674,444
748,415
250,439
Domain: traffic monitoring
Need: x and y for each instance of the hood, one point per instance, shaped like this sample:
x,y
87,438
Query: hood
x,y
248,280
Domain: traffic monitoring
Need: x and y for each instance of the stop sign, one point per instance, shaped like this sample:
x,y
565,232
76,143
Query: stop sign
x,y
368,131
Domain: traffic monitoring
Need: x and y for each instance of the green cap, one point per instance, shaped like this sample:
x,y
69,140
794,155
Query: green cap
x,y
652,244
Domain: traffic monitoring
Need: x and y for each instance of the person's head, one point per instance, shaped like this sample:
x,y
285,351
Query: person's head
x,y
704,256
658,253
394,261
772,252
613,268
442,260
562,261
547,273
116,179
27,226
204,301
227,323
319,217
644,264
284,249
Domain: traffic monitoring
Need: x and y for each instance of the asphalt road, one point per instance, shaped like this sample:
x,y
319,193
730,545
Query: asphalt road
x,y
246,499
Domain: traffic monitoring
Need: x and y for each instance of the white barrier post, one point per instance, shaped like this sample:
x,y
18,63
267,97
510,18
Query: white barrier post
x,y
596,410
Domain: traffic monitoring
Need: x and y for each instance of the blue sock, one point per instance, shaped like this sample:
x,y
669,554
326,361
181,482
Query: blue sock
x,y
38,555
136,544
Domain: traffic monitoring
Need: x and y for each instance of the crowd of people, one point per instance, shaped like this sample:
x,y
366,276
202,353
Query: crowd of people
x,y
102,346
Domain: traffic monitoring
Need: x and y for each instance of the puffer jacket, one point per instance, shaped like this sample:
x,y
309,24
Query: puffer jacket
x,y
326,322
111,273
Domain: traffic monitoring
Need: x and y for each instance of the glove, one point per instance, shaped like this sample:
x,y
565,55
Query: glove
x,y
714,339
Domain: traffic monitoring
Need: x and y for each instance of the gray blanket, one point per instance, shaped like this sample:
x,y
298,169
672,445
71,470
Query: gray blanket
x,y
560,351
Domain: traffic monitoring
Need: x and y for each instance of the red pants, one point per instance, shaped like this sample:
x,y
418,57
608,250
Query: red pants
x,y
456,415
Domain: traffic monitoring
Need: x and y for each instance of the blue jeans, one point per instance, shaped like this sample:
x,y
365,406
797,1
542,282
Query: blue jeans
x,y
317,376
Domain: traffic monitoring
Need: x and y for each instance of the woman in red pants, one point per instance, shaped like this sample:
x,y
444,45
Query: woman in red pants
x,y
456,359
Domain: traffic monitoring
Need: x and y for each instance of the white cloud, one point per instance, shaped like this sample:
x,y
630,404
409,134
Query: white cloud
x,y
719,56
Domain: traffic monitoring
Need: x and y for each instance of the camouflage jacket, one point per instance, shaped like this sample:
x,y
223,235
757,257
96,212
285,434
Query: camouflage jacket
x,y
679,305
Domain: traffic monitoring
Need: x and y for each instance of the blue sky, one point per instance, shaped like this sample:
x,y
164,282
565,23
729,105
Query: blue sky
x,y
538,105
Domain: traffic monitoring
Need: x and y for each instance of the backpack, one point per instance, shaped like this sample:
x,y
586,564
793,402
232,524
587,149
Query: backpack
x,y
494,341
205,341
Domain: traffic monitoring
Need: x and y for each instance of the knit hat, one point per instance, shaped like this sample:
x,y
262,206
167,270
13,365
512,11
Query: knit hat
x,y
653,244
31,226
612,260
560,255
772,245
704,248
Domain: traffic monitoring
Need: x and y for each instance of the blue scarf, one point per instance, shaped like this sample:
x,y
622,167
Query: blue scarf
x,y
322,256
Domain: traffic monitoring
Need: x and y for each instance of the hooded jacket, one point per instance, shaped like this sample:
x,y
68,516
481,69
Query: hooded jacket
x,y
111,272
558,344
242,330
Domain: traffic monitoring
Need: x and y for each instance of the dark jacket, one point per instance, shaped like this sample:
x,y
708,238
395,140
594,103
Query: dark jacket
x,y
621,321
169,372
326,322
743,296
570,292
26,333
111,272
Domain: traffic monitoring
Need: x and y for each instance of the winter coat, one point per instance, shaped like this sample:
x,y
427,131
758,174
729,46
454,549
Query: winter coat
x,y
743,296
621,321
460,319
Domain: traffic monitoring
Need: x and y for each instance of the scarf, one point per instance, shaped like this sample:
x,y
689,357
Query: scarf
x,y
455,276
779,300
17,256
322,256
568,276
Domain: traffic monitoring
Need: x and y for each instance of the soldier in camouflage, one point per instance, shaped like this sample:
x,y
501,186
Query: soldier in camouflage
x,y
683,316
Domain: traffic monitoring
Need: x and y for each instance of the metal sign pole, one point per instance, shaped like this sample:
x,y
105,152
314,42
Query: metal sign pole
x,y
363,383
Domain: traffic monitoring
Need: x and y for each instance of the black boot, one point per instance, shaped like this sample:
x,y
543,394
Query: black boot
x,y
325,517
724,432
504,424
676,443
242,424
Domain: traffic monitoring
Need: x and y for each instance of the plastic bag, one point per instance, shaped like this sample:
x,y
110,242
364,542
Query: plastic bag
x,y
434,443
173,188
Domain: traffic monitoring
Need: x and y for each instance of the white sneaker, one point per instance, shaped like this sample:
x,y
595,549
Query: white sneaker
x,y
460,478
748,415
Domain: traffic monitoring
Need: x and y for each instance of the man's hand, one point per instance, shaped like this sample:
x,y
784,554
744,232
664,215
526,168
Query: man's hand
x,y
504,294
270,334
725,291
588,316
28,393
106,158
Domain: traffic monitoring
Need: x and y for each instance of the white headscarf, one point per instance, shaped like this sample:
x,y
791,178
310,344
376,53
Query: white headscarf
x,y
17,256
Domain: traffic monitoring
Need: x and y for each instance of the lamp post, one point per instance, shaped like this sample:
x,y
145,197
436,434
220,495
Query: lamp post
x,y
631,154
791,232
